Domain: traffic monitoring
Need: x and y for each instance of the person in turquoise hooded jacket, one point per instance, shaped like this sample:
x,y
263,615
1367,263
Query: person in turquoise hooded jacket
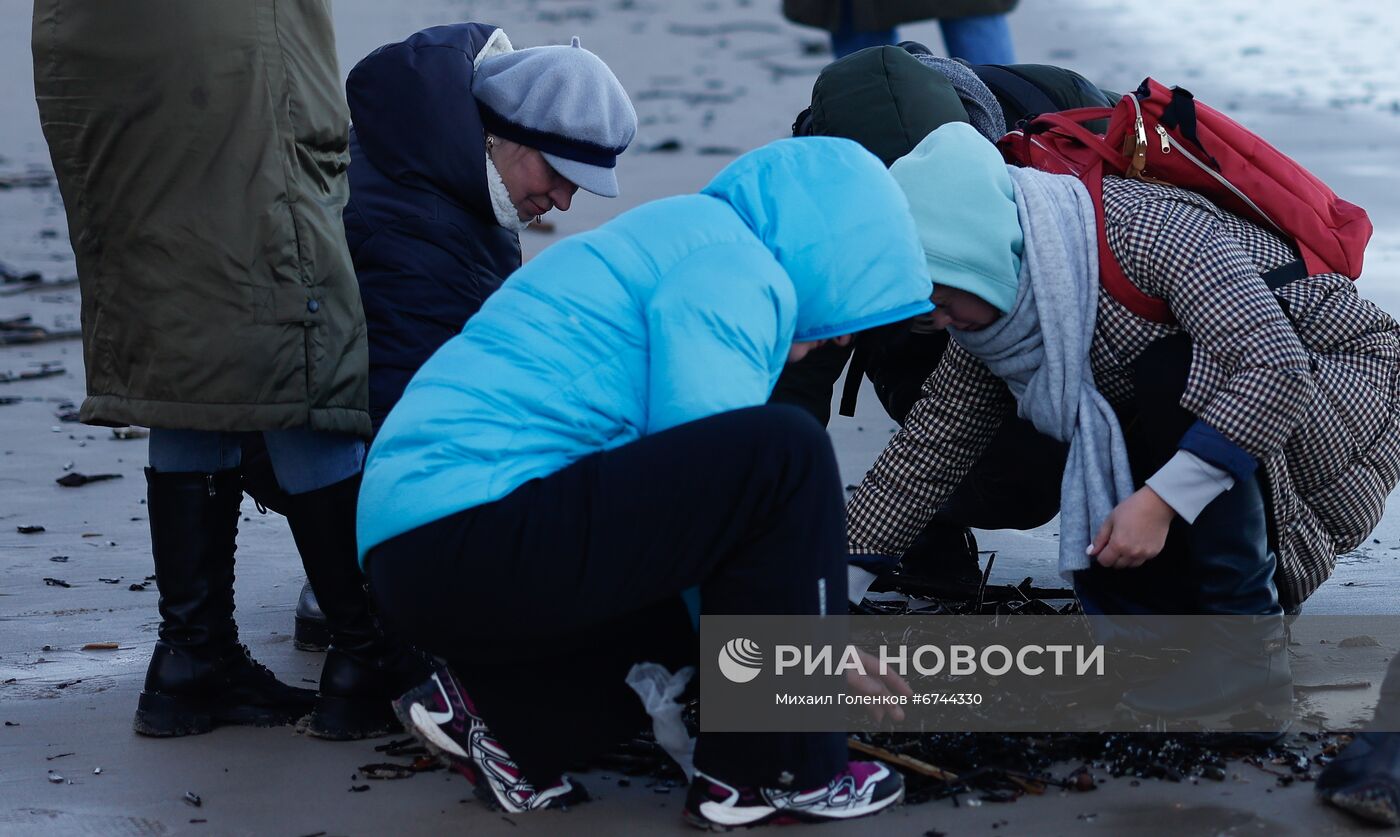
x,y
596,441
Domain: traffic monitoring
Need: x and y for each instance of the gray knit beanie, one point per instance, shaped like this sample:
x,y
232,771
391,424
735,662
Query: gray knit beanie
x,y
564,102
983,109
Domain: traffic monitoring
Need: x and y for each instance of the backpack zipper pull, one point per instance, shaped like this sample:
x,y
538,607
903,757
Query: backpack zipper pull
x,y
1166,141
1138,153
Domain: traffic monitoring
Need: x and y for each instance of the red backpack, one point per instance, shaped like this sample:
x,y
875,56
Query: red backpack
x,y
1164,135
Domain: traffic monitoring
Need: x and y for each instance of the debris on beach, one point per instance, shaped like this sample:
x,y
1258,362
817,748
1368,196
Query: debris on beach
x,y
16,284
386,770
10,276
193,798
1001,767
101,646
73,479
48,369
927,596
34,179
24,331
128,433
30,529
401,747
56,582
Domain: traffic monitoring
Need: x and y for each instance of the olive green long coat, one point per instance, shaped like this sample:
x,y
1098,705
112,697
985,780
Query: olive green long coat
x,y
201,150
874,15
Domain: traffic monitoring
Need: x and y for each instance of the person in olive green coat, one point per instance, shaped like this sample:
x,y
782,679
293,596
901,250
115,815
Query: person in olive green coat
x,y
201,151
973,30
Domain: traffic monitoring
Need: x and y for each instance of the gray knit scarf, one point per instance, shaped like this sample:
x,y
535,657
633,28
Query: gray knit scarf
x,y
983,109
1041,349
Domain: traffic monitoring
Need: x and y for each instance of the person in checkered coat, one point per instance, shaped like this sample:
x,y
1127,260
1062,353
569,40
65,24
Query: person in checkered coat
x,y
1263,428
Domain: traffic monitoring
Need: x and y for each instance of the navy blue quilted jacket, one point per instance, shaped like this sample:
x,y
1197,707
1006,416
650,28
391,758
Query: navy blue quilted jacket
x,y
425,242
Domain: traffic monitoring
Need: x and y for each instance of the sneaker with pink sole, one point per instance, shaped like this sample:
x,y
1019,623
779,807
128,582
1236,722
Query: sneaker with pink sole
x,y
440,714
862,789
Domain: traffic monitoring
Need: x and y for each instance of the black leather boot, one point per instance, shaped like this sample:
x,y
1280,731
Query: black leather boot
x,y
942,563
364,671
944,554
200,676
1239,661
312,632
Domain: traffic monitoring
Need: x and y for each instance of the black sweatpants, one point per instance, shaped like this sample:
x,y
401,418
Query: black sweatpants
x,y
543,600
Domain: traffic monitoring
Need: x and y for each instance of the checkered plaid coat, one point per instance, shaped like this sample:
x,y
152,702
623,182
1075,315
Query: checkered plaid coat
x,y
1306,379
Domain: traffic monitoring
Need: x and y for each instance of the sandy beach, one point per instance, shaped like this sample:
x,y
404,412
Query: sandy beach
x,y
709,79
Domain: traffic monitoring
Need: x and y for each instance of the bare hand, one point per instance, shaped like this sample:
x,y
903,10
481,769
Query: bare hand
x,y
874,683
1134,532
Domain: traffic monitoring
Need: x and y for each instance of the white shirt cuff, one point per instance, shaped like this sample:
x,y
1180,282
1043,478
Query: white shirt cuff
x,y
858,581
1188,484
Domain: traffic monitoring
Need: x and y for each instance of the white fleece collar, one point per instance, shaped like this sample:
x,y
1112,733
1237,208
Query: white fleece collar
x,y
497,44
506,215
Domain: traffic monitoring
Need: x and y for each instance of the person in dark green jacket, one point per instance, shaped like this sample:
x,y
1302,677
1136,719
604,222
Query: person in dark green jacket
x,y
201,153
888,99
973,30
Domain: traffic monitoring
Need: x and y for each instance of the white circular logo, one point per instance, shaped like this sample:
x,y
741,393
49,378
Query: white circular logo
x,y
740,660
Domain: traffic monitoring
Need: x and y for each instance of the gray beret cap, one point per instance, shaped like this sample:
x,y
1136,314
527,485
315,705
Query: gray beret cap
x,y
564,102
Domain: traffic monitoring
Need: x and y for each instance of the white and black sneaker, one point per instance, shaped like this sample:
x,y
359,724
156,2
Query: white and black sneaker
x,y
440,714
862,789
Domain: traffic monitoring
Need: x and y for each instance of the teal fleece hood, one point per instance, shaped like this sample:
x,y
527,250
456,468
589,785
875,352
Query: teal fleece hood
x,y
964,206
841,229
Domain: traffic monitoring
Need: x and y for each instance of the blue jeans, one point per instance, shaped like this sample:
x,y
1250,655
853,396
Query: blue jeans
x,y
981,39
303,460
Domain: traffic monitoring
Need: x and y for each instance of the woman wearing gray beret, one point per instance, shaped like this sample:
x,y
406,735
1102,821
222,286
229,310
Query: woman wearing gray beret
x,y
460,142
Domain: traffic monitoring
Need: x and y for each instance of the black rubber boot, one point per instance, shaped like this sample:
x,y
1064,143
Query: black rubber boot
x,y
1365,779
200,676
364,671
312,633
1239,662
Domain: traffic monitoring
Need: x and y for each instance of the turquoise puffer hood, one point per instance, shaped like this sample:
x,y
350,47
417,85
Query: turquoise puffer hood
x,y
675,311
965,208
827,236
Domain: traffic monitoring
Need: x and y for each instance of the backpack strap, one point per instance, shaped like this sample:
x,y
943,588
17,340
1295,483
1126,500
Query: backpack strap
x,y
1030,99
802,125
1280,276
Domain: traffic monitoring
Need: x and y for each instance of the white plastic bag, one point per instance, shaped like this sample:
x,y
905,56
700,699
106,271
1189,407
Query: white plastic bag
x,y
658,688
